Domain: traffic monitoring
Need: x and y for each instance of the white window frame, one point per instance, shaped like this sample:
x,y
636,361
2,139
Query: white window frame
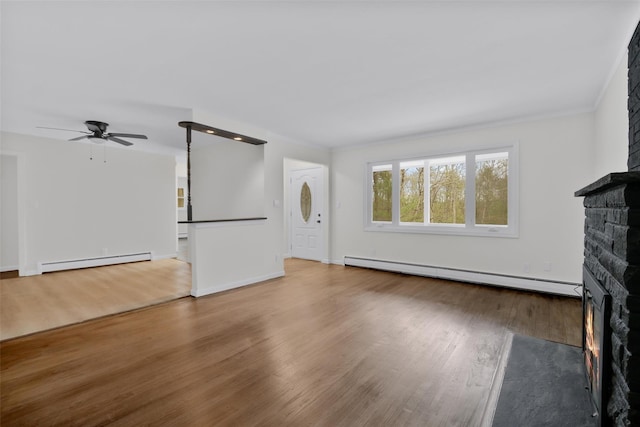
x,y
469,228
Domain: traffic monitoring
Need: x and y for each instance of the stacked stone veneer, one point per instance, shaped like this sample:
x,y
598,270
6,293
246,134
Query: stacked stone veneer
x,y
634,102
612,254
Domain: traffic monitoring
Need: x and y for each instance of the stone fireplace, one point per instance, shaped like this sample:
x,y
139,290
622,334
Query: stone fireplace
x,y
612,271
612,255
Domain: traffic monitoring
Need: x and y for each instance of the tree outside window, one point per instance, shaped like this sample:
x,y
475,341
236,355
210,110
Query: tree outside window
x,y
492,186
382,188
412,191
463,193
446,190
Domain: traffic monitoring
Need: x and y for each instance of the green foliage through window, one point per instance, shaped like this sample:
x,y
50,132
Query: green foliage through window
x,y
412,192
446,191
382,186
491,189
461,193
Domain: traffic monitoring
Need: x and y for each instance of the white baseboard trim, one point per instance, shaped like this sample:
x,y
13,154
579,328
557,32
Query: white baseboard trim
x,y
337,262
155,257
515,282
44,267
9,268
202,291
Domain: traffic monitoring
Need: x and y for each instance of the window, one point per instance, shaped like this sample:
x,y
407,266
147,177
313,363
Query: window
x,y
492,184
412,192
473,192
446,190
381,205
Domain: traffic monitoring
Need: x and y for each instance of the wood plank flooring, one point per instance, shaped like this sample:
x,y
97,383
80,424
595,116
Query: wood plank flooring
x,y
325,345
36,303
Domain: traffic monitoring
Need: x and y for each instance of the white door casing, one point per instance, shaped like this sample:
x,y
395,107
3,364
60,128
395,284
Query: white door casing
x,y
307,218
9,217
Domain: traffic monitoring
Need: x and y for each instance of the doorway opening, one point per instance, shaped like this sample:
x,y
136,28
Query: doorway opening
x,y
10,217
182,246
306,210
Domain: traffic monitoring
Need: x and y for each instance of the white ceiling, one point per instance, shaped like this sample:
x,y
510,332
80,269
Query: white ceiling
x,y
331,73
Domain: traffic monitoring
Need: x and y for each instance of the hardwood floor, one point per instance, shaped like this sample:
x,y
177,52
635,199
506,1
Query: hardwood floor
x,y
36,303
8,274
324,345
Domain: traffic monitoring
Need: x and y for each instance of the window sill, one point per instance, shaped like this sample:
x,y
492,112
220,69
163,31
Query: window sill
x,y
445,230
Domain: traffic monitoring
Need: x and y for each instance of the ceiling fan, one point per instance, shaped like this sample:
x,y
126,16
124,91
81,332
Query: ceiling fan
x,y
98,130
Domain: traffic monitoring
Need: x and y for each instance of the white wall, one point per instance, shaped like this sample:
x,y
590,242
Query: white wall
x,y
227,255
227,179
555,160
612,125
79,208
9,213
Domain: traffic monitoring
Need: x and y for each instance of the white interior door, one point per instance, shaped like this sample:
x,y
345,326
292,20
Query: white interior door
x,y
307,196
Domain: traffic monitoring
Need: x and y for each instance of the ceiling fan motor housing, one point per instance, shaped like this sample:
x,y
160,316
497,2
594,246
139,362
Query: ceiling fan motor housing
x,y
98,128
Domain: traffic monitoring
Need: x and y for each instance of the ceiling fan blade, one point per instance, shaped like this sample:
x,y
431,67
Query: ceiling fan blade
x,y
128,135
119,141
70,130
79,138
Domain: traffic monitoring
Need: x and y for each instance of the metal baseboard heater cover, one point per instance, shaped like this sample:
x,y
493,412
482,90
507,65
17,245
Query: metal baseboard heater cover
x,y
514,282
45,267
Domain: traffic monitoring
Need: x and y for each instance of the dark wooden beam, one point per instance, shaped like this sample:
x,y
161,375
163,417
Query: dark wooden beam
x,y
221,132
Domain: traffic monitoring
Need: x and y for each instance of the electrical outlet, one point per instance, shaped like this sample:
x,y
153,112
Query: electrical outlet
x,y
526,267
547,266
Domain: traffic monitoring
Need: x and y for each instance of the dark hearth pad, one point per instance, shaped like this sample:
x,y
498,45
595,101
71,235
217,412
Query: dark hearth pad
x,y
544,385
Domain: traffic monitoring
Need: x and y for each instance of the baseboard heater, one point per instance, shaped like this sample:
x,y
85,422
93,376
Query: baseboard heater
x,y
45,267
515,282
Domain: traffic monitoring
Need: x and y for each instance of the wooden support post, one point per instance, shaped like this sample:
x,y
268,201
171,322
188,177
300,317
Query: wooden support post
x,y
189,208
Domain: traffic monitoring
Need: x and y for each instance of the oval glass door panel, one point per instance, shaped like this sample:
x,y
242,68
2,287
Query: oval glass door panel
x,y
305,202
